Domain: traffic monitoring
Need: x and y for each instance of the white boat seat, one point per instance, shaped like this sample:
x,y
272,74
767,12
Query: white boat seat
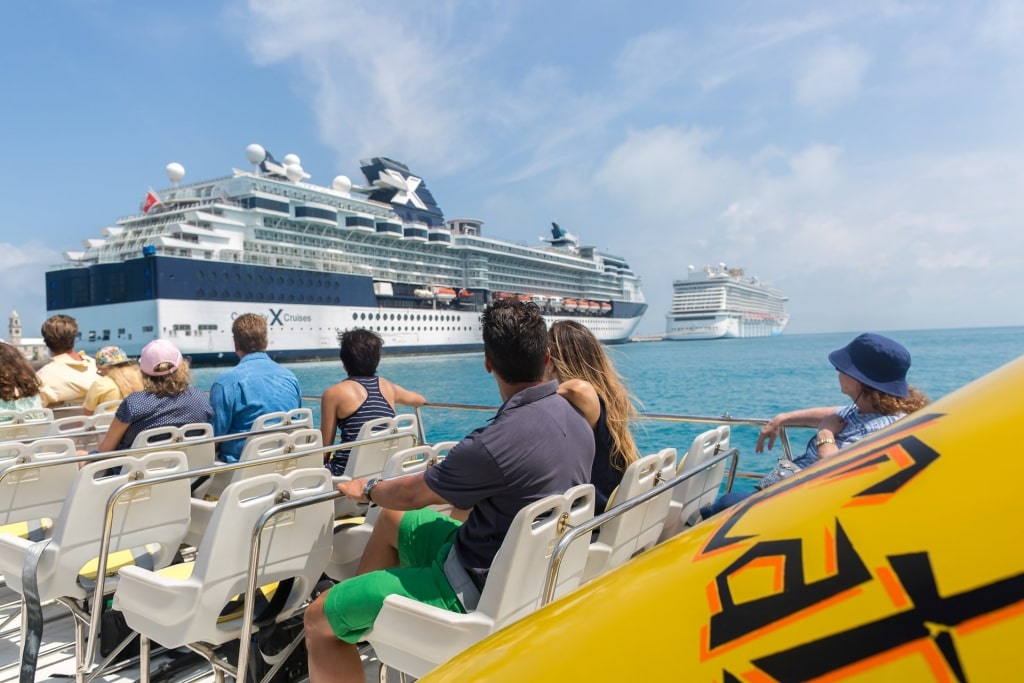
x,y
352,533
303,445
147,526
184,604
297,418
701,489
414,638
87,431
107,407
638,529
31,498
368,460
153,522
18,425
193,439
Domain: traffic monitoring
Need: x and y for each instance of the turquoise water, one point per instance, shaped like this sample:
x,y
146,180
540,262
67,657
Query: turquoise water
x,y
743,377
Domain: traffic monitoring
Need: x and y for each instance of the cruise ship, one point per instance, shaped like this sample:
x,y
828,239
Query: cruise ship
x,y
318,260
717,302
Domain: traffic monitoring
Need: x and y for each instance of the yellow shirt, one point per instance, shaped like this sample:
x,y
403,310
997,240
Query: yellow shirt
x,y
66,379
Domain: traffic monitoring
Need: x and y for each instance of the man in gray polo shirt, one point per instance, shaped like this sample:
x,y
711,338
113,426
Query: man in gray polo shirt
x,y
536,445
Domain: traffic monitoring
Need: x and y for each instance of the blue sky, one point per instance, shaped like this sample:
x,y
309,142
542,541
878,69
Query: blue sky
x,y
865,158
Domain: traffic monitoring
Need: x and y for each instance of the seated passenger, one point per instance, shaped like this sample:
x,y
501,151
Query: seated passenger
x,y
166,399
119,376
254,387
536,445
360,397
19,385
873,372
69,374
590,382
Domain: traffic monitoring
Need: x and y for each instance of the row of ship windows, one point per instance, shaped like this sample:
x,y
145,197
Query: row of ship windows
x,y
259,279
428,317
271,297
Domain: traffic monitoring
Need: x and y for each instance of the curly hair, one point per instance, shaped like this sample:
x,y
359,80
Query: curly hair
x,y
126,376
166,386
887,404
515,340
577,354
17,378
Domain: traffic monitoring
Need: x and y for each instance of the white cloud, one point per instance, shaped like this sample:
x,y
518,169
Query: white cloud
x,y
831,75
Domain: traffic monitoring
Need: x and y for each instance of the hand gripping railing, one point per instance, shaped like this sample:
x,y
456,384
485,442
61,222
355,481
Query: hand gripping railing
x,y
584,529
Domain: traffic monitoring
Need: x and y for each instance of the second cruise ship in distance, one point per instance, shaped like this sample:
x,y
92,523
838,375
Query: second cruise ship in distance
x,y
717,302
317,260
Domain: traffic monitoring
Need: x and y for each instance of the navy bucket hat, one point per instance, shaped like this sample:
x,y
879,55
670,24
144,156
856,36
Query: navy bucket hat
x,y
875,361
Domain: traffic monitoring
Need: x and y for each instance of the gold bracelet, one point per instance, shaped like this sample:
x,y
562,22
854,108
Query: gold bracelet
x,y
821,442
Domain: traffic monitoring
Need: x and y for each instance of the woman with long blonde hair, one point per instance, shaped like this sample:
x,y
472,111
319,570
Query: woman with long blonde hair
x,y
119,377
589,381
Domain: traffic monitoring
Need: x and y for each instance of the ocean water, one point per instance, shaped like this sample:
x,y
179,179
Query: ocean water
x,y
755,378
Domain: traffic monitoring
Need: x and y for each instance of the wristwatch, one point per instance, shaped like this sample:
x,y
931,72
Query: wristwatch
x,y
368,487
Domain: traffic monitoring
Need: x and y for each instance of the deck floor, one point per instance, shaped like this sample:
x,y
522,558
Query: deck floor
x,y
57,657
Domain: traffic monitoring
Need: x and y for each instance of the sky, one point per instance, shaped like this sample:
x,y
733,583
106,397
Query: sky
x,y
867,158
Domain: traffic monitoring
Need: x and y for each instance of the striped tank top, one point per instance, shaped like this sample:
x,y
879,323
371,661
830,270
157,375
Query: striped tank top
x,y
374,406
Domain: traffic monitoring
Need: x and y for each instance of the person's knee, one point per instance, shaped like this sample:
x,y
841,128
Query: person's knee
x,y
315,619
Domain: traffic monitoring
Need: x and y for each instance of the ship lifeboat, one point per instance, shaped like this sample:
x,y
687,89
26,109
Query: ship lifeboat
x,y
444,293
423,293
525,298
538,299
465,294
504,295
570,304
606,307
555,303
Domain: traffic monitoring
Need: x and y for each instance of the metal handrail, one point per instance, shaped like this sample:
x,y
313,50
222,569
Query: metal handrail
x,y
597,522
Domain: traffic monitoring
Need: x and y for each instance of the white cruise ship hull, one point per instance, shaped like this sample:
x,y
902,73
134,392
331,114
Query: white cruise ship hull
x,y
724,327
299,332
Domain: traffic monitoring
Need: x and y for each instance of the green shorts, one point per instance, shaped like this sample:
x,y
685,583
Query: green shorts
x,y
424,539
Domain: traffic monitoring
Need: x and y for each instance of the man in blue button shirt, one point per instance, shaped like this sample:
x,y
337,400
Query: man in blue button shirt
x,y
254,387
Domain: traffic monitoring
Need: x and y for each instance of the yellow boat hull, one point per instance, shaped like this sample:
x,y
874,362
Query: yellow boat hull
x,y
900,559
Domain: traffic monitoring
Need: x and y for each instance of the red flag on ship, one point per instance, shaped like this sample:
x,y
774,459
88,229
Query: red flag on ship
x,y
150,201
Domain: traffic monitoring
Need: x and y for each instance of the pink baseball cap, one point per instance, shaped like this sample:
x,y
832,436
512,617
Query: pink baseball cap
x,y
156,352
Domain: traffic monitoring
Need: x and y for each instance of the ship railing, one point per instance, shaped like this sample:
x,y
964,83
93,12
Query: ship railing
x,y
733,471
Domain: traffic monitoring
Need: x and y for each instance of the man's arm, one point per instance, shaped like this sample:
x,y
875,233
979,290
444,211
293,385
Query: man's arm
x,y
401,493
222,412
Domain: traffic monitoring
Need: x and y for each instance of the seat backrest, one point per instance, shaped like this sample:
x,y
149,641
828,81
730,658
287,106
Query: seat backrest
x,y
515,583
302,444
107,407
295,418
24,424
87,431
295,544
193,439
152,517
712,478
368,460
688,494
35,493
637,529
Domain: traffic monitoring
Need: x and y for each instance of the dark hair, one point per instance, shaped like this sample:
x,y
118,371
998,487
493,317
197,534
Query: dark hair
x,y
515,340
250,333
360,352
59,333
17,378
